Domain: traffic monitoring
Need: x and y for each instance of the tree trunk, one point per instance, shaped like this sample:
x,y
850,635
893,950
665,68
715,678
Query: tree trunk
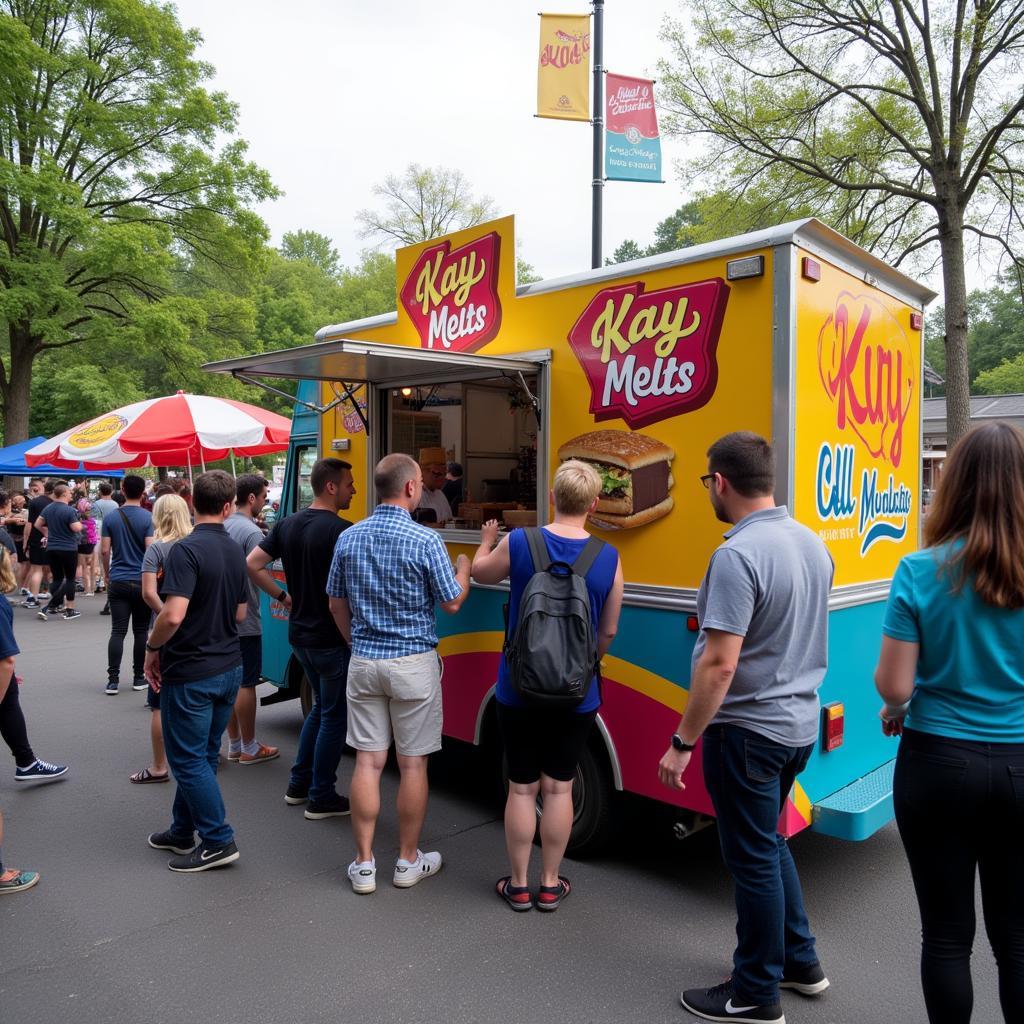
x,y
958,377
17,396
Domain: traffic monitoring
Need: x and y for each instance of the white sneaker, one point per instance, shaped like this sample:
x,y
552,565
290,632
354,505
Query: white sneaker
x,y
363,876
409,873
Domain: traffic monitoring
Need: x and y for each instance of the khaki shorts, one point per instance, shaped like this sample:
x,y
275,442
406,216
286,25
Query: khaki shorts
x,y
395,697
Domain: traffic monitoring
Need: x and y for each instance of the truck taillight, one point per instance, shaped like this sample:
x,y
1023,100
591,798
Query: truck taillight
x,y
691,623
833,718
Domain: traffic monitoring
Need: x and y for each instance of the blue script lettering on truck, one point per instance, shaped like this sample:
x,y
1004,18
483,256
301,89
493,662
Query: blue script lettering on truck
x,y
876,507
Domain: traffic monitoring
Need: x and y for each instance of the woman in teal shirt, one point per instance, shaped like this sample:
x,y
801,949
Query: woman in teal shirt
x,y
951,673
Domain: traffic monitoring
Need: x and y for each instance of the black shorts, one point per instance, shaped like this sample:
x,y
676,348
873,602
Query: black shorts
x,y
37,555
19,550
539,741
86,549
252,660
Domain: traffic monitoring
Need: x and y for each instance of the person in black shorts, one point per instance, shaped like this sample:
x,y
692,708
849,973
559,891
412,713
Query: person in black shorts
x,y
543,745
15,521
60,526
40,495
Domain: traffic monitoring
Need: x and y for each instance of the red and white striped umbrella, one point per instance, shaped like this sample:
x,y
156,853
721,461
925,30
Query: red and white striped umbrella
x,y
180,430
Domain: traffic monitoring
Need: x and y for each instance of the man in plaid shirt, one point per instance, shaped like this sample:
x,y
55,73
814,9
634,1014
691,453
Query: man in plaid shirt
x,y
386,576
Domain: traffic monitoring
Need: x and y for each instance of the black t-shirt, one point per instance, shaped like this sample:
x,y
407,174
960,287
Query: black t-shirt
x,y
35,508
208,568
305,544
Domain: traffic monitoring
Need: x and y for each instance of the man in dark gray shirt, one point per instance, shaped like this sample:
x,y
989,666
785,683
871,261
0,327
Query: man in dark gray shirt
x,y
760,657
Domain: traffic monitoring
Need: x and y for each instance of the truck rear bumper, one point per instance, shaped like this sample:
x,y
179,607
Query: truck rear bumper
x,y
860,809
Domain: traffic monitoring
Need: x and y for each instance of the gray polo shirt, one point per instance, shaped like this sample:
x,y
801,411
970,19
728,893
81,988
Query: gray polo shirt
x,y
769,583
243,530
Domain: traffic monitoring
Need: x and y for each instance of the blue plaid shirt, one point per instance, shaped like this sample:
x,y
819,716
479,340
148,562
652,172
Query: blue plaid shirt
x,y
392,571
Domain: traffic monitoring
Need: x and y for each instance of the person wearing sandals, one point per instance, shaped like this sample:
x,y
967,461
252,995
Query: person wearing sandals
x,y
543,745
171,522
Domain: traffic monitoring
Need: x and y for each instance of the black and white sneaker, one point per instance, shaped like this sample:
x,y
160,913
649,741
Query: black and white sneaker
x,y
721,1004
169,841
111,690
335,807
411,872
295,795
140,684
40,771
72,613
41,614
203,858
808,981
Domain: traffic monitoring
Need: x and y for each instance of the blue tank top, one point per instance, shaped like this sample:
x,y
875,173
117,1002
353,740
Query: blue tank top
x,y
599,584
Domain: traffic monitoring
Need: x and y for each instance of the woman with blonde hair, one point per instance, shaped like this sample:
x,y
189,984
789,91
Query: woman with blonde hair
x,y
171,522
951,673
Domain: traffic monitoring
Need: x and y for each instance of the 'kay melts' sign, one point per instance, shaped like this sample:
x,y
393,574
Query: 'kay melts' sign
x,y
650,355
451,295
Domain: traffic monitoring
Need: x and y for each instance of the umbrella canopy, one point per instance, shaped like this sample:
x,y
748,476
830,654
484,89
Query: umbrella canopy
x,y
180,430
12,463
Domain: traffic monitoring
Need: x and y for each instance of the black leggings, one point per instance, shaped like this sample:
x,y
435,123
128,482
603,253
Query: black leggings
x,y
126,604
12,727
960,811
63,566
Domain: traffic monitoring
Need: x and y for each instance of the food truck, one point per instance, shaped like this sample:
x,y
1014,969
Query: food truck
x,y
792,332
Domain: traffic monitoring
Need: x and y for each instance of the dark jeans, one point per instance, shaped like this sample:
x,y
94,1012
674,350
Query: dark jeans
x,y
323,733
194,716
749,778
126,604
12,727
960,811
63,566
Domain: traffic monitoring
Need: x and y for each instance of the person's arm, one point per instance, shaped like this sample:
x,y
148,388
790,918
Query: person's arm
x,y
76,526
149,592
491,564
894,680
241,611
463,566
28,529
167,622
41,527
342,615
105,556
712,677
256,563
609,624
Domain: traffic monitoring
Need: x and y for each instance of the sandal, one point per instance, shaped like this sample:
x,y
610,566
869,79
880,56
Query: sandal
x,y
20,880
550,896
145,775
517,897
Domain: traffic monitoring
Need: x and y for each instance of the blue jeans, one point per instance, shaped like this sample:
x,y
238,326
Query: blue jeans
x,y
749,778
194,716
323,733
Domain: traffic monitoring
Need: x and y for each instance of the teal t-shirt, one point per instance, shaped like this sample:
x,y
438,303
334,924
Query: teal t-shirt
x,y
970,670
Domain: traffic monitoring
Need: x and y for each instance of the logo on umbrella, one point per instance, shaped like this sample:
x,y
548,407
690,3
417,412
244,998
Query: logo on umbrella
x,y
97,432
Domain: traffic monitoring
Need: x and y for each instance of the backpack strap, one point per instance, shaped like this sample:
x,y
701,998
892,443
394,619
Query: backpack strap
x,y
131,532
587,557
538,549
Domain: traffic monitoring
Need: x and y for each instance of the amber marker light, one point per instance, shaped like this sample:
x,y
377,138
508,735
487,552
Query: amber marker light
x,y
833,719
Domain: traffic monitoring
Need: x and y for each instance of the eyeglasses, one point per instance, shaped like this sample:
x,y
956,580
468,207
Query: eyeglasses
x,y
706,480
436,472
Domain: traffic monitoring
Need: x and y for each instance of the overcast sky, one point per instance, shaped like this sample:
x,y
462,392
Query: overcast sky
x,y
335,95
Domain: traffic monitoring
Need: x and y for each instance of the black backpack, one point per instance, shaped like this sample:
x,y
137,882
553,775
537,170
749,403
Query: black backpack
x,y
553,654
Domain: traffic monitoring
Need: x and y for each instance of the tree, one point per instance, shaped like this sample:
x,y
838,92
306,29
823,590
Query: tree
x,y
627,250
109,181
900,121
312,247
1005,379
423,203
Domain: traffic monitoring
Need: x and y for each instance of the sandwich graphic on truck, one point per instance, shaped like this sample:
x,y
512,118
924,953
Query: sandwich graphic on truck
x,y
635,471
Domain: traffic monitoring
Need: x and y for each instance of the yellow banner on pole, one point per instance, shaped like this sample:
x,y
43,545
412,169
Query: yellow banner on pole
x,y
563,69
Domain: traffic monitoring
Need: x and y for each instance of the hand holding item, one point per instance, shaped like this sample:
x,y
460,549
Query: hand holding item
x,y
892,718
151,670
489,533
672,766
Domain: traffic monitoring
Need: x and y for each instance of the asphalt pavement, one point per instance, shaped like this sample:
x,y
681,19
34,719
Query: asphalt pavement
x,y
110,935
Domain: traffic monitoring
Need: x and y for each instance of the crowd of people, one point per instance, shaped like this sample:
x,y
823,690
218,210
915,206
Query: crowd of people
x,y
362,599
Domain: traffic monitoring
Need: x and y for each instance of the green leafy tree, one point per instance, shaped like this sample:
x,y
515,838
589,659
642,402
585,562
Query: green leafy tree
x,y
423,203
109,183
627,250
312,247
1005,379
899,123
525,273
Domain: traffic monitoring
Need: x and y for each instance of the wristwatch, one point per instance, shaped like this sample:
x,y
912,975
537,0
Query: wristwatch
x,y
678,743
280,597
153,650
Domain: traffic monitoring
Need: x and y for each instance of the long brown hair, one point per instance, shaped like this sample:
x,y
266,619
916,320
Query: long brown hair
x,y
980,500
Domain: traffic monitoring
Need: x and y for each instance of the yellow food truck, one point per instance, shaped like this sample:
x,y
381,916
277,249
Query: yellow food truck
x,y
793,332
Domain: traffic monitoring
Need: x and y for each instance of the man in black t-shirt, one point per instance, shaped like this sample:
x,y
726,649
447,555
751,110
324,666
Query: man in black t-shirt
x,y
305,544
39,497
194,662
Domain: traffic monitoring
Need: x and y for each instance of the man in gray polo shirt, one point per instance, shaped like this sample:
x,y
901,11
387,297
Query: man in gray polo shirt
x,y
759,660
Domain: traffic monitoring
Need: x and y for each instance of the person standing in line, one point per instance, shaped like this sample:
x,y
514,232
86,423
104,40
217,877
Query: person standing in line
x,y
171,522
951,673
40,492
304,542
193,660
434,466
758,662
126,533
16,521
543,745
60,526
27,767
386,576
88,539
243,747
102,507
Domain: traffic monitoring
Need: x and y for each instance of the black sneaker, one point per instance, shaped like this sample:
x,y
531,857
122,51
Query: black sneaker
x,y
808,981
40,771
169,841
332,807
203,858
105,610
111,690
720,1003
295,795
140,684
72,613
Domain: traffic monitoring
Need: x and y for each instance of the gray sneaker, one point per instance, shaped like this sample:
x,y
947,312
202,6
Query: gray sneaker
x,y
410,873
